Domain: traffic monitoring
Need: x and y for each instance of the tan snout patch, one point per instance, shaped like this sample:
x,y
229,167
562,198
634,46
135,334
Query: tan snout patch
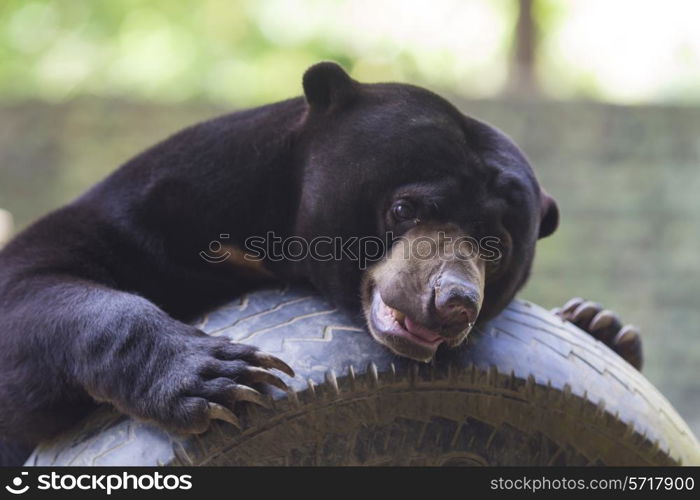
x,y
411,273
6,227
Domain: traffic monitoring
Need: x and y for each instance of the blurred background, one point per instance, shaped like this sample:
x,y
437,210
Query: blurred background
x,y
604,97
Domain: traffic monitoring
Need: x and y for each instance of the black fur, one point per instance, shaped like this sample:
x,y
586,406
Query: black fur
x,y
92,296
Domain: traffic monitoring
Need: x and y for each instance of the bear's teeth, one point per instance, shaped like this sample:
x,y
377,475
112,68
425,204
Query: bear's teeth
x,y
398,315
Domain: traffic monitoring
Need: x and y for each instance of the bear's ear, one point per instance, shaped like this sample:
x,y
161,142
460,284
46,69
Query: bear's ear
x,y
549,219
327,84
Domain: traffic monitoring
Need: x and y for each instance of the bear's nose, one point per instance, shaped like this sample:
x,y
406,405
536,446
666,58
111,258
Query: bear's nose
x,y
456,301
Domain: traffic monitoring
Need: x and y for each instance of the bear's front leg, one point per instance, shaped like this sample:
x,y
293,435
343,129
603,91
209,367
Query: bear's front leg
x,y
122,349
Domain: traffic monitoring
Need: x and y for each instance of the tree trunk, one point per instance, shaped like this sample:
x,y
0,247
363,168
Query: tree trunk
x,y
523,80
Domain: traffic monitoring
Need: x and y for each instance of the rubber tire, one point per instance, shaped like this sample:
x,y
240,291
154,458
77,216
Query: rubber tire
x,y
526,389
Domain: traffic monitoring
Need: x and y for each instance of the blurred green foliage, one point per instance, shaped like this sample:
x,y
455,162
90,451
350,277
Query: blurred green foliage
x,y
246,52
160,49
238,51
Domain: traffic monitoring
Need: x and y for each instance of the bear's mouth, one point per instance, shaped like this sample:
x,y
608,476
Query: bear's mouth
x,y
400,333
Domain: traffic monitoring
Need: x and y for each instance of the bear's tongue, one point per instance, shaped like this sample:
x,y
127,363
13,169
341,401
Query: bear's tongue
x,y
419,330
406,323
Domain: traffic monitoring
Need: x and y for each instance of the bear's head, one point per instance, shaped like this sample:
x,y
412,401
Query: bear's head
x,y
454,200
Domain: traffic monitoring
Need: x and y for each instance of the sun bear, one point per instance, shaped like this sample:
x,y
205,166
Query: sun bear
x,y
94,297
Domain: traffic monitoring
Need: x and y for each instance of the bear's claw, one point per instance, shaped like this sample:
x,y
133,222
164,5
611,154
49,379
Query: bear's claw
x,y
606,326
268,361
218,412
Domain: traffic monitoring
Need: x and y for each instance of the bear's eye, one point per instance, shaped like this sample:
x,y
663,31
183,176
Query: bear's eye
x,y
404,210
